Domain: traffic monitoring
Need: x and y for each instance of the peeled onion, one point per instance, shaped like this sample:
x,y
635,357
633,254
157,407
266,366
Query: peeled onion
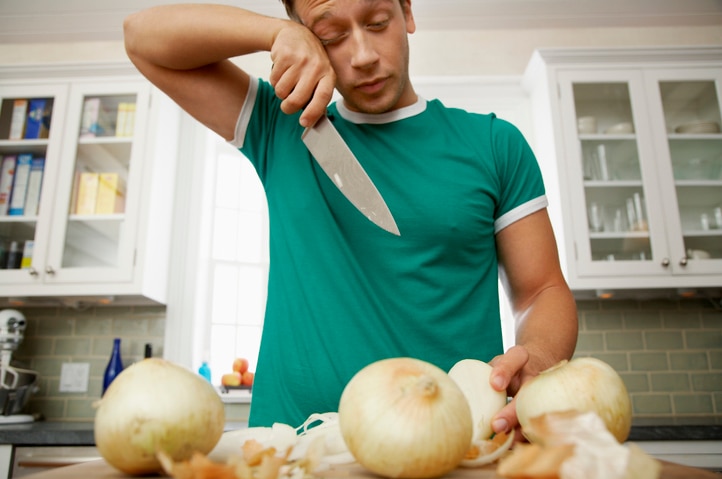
x,y
472,376
405,418
583,385
156,406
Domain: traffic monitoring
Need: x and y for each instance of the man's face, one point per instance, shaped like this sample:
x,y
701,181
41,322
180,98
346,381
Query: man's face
x,y
366,42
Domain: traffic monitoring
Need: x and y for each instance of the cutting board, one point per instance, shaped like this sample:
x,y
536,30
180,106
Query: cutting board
x,y
102,470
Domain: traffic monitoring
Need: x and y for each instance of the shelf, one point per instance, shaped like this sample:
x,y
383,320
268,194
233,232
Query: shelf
x,y
19,219
36,147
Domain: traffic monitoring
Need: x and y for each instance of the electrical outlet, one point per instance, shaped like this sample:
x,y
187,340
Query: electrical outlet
x,y
74,377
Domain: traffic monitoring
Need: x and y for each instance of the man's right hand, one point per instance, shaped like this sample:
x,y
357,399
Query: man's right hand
x,y
302,75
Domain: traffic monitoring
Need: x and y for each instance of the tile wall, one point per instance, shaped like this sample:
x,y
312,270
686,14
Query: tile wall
x,y
669,352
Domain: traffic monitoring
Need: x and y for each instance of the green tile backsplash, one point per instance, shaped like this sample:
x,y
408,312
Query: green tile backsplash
x,y
668,352
57,335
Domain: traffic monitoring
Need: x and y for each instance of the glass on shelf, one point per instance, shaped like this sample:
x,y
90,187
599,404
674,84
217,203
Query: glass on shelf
x,y
606,160
696,159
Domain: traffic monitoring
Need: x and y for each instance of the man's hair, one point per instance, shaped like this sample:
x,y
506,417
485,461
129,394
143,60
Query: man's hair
x,y
291,12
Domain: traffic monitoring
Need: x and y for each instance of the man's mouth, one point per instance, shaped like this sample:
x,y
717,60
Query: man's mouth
x,y
371,87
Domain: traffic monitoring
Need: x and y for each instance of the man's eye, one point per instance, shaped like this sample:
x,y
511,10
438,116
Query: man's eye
x,y
378,25
331,39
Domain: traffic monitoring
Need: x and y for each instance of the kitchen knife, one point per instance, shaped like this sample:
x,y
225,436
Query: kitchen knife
x,y
342,167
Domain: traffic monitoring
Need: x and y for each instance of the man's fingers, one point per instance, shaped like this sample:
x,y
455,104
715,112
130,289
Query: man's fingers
x,y
321,98
505,420
508,366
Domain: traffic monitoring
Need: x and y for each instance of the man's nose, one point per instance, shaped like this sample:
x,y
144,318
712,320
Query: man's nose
x,y
364,52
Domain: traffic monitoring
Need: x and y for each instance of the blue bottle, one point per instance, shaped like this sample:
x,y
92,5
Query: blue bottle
x,y
115,365
205,371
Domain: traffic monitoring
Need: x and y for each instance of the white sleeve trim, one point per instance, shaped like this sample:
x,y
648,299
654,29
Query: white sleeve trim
x,y
245,116
531,206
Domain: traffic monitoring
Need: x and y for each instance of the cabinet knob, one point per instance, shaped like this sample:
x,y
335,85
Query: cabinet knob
x,y
683,261
32,271
665,262
49,270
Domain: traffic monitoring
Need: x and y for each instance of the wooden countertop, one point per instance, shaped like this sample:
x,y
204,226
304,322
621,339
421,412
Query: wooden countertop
x,y
101,470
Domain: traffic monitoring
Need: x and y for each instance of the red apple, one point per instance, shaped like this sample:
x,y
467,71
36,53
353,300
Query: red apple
x,y
247,378
240,365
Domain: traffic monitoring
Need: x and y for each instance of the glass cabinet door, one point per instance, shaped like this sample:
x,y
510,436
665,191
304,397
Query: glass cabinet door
x,y
609,150
94,217
30,129
688,116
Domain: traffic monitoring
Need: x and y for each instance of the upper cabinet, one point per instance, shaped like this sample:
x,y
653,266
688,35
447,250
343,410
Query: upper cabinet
x,y
631,149
86,187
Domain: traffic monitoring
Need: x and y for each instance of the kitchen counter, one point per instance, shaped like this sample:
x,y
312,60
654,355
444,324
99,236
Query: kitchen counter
x,y
50,433
676,429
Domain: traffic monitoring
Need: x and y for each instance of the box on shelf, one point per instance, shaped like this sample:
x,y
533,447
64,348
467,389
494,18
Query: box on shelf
x,y
87,195
96,120
125,122
110,194
38,122
27,258
35,184
17,123
20,185
7,174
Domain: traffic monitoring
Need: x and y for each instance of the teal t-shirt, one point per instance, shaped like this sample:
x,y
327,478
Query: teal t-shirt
x,y
342,292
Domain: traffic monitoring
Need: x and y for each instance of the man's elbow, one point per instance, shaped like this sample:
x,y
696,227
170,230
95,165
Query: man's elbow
x,y
130,28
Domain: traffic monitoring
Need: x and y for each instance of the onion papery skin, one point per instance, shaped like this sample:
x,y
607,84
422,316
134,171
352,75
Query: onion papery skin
x,y
582,384
405,418
155,405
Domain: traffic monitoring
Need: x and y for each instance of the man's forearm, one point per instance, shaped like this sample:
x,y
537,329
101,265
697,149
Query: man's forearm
x,y
548,328
187,36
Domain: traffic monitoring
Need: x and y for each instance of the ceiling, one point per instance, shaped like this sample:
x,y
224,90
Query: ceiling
x,y
98,20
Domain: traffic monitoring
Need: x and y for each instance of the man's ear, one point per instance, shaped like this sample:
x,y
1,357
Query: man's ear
x,y
409,16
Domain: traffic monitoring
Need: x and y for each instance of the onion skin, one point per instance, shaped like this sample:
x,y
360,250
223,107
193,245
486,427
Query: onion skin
x,y
155,405
405,418
582,384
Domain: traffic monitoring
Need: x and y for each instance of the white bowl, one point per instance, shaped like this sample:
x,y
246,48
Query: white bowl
x,y
698,127
698,254
587,124
620,128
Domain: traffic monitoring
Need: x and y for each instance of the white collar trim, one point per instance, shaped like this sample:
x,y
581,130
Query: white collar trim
x,y
388,117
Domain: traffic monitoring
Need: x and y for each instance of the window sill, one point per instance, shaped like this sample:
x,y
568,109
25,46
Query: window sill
x,y
239,396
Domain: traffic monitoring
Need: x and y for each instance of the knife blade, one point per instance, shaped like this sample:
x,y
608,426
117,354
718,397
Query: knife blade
x,y
340,164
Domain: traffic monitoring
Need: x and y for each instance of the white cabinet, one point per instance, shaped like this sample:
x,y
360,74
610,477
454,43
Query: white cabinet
x,y
102,228
631,149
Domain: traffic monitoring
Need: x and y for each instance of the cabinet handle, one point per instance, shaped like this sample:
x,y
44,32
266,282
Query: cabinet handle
x,y
683,261
50,270
665,262
32,271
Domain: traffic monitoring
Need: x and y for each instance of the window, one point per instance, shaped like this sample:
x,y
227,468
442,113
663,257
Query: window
x,y
233,266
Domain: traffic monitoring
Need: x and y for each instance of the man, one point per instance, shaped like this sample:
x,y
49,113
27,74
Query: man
x,y
465,191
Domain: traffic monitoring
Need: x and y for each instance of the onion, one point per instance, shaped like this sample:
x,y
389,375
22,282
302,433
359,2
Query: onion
x,y
405,418
156,406
472,376
583,385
